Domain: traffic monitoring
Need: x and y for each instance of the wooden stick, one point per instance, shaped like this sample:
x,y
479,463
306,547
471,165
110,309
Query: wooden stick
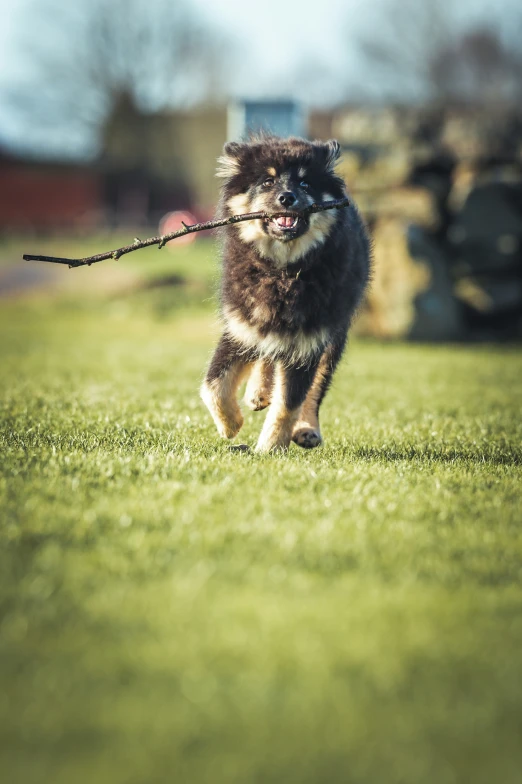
x,y
162,240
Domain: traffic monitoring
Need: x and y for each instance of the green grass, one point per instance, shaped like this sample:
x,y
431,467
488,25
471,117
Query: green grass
x,y
176,612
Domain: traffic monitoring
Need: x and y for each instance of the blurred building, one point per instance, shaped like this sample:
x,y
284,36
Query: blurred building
x,y
150,164
39,196
153,163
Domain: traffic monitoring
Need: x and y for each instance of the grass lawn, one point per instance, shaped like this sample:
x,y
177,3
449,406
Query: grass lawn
x,y
176,612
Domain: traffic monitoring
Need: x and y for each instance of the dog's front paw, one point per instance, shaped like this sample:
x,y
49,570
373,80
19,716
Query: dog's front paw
x,y
258,390
307,437
229,427
257,400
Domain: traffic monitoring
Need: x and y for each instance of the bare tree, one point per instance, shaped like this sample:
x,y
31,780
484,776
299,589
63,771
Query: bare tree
x,y
420,50
478,67
90,53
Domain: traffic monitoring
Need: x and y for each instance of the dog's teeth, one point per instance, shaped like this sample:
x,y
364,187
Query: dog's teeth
x,y
286,221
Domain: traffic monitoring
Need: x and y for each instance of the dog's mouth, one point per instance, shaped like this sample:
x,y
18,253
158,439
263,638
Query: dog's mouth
x,y
286,226
286,222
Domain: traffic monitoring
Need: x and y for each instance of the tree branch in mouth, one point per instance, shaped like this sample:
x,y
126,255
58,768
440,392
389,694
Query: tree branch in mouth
x,y
161,241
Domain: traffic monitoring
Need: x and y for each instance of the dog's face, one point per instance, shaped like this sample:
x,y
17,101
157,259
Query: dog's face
x,y
273,175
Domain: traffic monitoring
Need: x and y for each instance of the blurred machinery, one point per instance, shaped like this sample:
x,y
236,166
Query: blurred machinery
x,y
474,253
442,195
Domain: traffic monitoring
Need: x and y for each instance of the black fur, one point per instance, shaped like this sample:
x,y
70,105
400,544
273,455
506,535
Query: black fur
x,y
321,289
226,353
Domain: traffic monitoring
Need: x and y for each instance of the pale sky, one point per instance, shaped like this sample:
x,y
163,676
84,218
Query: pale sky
x,y
279,48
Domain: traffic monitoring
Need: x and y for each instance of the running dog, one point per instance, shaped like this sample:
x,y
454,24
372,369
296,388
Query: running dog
x,y
290,287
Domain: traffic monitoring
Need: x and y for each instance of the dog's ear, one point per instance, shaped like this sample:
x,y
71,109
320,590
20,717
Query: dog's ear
x,y
333,153
330,152
229,164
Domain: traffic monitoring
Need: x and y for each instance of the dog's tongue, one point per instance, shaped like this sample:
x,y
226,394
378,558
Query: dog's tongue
x,y
286,221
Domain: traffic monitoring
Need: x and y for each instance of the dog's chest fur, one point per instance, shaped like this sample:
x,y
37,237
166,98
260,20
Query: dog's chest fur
x,y
300,297
292,312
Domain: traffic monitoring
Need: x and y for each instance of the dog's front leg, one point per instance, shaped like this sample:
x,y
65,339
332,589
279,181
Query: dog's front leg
x,y
219,390
306,430
291,385
259,385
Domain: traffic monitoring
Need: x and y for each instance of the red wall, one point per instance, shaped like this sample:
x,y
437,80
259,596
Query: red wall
x,y
47,197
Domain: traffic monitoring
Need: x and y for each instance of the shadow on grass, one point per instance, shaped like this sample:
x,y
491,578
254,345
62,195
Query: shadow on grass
x,y
495,455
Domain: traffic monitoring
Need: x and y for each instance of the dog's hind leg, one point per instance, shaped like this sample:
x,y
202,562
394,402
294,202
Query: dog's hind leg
x,y
306,431
259,385
219,390
291,385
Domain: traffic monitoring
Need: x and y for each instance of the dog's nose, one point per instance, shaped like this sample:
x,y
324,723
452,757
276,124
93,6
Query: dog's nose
x,y
287,198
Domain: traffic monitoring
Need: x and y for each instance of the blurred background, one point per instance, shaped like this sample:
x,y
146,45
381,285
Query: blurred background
x,y
112,114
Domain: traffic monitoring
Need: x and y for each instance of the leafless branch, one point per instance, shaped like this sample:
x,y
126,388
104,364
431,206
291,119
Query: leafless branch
x,y
420,50
163,239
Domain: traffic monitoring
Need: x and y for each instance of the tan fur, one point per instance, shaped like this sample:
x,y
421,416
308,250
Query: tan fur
x,y
281,253
271,171
279,423
220,398
240,204
227,166
261,313
284,253
298,346
259,385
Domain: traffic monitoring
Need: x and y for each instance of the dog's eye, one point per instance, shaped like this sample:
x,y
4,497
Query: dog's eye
x,y
268,182
304,184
